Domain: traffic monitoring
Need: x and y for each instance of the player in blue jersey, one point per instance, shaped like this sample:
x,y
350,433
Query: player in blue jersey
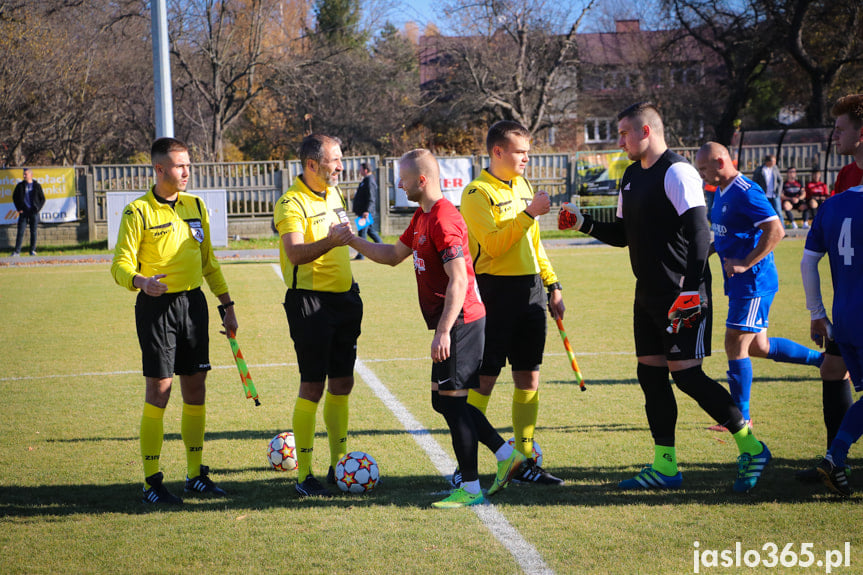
x,y
838,232
745,231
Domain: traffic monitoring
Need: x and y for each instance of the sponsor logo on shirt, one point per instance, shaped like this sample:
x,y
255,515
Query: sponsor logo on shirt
x,y
419,263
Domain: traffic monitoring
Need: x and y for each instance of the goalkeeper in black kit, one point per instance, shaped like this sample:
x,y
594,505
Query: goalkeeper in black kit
x,y
662,218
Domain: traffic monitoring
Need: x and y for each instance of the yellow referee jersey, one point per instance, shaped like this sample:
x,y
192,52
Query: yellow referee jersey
x,y
311,214
156,239
504,240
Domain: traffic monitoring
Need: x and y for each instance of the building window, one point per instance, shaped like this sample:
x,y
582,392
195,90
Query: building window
x,y
598,130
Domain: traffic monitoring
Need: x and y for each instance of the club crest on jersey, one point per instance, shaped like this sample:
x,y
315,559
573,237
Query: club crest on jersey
x,y
197,230
419,263
422,240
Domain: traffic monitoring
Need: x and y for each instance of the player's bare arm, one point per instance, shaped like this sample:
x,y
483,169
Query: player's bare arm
x,y
389,254
455,294
555,304
300,252
772,234
229,322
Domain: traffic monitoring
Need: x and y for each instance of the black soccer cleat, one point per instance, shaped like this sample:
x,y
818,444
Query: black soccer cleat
x,y
203,485
331,476
533,473
158,494
834,478
311,487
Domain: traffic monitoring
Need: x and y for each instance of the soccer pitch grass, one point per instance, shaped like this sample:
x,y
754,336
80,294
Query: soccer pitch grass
x,y
71,475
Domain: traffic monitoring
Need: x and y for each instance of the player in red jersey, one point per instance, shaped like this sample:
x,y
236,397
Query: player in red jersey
x,y
451,306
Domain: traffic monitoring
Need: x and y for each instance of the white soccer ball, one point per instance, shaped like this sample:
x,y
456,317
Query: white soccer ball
x,y
282,452
537,451
357,472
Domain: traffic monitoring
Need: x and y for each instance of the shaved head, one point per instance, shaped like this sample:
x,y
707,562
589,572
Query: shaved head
x,y
419,177
422,162
644,114
715,150
714,163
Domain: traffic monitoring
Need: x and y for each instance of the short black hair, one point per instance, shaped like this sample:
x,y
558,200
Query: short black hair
x,y
164,146
500,131
365,166
638,109
312,147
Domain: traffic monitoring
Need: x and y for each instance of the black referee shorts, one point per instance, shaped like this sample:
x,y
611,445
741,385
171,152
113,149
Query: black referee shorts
x,y
650,323
461,369
173,331
325,327
515,326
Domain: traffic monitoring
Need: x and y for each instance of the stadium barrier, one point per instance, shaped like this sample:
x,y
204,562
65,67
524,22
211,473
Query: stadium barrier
x,y
588,178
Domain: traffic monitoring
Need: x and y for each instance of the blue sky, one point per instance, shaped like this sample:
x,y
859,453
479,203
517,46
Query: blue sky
x,y
419,11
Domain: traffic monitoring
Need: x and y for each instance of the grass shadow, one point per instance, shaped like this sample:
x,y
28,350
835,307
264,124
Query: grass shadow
x,y
704,484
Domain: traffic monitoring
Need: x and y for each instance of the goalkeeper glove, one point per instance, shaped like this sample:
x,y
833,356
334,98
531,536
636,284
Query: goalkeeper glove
x,y
570,217
685,310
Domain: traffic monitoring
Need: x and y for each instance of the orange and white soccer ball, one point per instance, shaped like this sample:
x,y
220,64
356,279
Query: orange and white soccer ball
x,y
357,472
282,452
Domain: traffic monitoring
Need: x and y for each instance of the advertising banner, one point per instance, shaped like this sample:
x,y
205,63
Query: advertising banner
x,y
599,173
455,174
58,184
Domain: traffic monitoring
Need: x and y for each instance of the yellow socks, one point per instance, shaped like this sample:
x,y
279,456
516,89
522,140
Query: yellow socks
x,y
746,441
192,432
305,413
336,419
478,400
525,408
152,434
665,460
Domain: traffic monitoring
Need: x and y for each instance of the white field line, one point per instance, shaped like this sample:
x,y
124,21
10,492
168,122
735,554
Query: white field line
x,y
524,553
126,372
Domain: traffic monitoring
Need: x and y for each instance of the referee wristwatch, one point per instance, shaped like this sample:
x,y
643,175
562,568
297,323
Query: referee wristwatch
x,y
552,287
225,306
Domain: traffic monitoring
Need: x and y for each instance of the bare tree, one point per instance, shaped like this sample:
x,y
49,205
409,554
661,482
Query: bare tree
x,y
823,37
519,57
740,33
220,48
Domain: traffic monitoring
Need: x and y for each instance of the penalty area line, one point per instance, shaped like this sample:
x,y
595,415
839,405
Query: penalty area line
x,y
525,554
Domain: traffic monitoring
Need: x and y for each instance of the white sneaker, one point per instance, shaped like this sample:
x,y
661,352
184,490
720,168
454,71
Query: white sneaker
x,y
793,225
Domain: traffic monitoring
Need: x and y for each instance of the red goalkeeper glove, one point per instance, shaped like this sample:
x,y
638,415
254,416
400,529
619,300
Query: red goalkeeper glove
x,y
685,310
570,217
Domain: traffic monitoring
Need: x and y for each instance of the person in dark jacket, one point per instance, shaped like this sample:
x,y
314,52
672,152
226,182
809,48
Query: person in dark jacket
x,y
29,199
364,206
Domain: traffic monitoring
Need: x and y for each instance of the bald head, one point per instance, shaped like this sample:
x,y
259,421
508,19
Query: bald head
x,y
422,162
419,177
714,164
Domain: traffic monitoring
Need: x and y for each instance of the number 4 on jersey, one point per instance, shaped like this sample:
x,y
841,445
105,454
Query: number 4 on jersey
x,y
845,247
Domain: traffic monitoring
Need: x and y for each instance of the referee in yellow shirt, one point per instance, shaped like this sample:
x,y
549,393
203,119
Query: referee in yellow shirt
x,y
322,302
500,208
164,252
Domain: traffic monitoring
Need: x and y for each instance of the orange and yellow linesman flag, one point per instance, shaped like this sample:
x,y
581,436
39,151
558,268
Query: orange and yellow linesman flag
x,y
245,378
570,354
